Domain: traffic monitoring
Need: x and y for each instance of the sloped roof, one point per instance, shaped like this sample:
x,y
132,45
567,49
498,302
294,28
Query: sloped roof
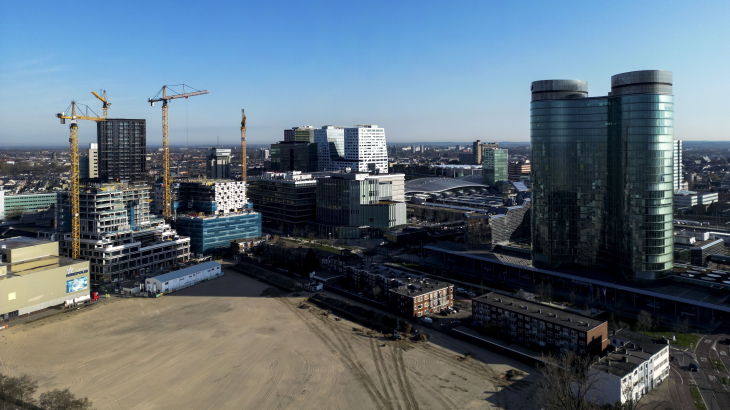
x,y
431,184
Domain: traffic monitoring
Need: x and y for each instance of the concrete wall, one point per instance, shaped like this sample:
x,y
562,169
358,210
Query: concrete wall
x,y
34,291
31,252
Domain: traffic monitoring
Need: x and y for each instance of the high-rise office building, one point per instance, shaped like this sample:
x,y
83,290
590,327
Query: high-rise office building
x,y
289,156
299,134
285,200
677,152
122,149
478,148
361,148
265,153
494,166
218,164
602,177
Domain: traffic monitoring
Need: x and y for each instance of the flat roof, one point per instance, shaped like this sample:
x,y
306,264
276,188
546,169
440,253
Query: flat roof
x,y
36,265
186,271
435,184
691,295
20,242
418,287
638,349
566,318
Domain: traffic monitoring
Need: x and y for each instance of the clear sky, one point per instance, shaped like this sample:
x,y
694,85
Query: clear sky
x,y
425,70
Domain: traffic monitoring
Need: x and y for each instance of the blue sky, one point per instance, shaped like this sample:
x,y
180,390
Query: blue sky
x,y
426,71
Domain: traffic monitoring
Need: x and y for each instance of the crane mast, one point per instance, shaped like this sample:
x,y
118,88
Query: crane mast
x,y
166,194
74,179
243,145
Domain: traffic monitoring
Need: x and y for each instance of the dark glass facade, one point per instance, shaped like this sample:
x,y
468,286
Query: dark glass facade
x,y
602,171
122,149
294,156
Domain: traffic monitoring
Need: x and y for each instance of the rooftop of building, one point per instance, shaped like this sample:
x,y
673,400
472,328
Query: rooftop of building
x,y
20,242
436,184
415,287
39,264
547,313
204,215
679,292
186,271
637,349
699,244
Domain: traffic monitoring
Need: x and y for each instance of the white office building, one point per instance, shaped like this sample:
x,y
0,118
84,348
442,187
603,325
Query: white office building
x,y
677,150
361,148
637,366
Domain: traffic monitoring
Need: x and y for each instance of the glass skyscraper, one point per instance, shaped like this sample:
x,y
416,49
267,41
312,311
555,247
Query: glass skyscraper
x,y
602,175
494,166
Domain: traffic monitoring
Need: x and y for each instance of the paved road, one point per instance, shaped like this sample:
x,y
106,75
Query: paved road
x,y
708,379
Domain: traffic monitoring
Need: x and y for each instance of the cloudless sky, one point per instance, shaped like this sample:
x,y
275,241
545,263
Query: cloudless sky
x,y
424,70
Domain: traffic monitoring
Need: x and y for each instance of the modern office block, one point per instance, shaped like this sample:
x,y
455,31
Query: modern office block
x,y
15,205
285,199
218,164
349,201
494,166
210,233
361,148
287,156
119,236
478,147
299,134
122,145
602,174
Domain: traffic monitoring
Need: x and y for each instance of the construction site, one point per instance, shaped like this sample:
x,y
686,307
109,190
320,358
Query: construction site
x,y
222,345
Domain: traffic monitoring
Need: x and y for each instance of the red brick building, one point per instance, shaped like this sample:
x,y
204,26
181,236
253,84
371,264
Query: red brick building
x,y
422,297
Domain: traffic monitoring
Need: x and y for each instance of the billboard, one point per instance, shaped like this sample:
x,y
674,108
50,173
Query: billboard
x,y
75,285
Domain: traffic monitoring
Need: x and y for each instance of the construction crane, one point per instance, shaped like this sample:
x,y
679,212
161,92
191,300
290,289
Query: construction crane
x,y
74,140
106,104
243,145
164,97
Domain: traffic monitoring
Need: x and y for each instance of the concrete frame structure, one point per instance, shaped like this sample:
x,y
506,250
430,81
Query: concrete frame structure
x,y
119,236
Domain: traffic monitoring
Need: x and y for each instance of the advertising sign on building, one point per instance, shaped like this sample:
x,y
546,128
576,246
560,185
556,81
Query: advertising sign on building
x,y
75,285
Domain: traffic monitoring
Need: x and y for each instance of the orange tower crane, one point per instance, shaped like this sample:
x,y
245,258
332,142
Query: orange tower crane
x,y
164,97
74,140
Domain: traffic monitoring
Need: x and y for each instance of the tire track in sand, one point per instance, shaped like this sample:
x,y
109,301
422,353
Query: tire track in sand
x,y
405,386
343,356
383,375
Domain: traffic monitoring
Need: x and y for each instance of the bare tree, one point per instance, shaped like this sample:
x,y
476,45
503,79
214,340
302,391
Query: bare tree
x,y
63,400
6,387
566,383
22,388
682,326
644,322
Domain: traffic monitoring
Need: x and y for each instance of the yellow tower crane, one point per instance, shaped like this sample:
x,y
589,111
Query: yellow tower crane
x,y
243,145
106,104
74,140
164,97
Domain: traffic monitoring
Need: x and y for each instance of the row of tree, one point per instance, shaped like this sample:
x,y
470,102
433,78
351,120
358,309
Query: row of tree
x,y
21,390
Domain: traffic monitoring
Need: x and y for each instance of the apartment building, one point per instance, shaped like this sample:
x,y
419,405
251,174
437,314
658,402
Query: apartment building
x,y
422,297
636,366
119,236
536,324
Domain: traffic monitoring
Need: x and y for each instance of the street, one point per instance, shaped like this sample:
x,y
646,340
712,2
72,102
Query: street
x,y
709,378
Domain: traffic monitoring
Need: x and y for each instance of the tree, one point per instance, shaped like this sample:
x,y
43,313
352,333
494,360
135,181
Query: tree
x,y
566,382
377,291
311,262
682,326
6,386
644,321
63,400
573,297
23,388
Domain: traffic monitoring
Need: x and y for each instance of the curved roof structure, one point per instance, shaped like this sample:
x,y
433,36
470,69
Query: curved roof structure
x,y
431,184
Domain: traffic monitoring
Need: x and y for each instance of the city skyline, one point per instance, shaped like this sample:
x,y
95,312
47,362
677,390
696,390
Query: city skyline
x,y
399,66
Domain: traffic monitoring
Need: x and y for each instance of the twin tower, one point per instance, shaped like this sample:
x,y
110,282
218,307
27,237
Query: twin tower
x,y
602,175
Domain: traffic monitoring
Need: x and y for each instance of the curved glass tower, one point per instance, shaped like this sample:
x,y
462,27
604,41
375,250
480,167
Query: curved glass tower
x,y
602,175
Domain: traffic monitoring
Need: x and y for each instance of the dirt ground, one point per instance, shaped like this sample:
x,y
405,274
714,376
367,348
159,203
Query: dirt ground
x,y
221,345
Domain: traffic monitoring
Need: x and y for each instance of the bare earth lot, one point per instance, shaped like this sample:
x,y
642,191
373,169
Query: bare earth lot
x,y
220,345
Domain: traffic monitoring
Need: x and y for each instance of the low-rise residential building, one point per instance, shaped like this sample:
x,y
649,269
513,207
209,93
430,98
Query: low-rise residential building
x,y
532,323
636,366
422,297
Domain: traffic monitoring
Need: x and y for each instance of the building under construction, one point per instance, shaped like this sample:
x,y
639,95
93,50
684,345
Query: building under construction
x,y
122,149
119,236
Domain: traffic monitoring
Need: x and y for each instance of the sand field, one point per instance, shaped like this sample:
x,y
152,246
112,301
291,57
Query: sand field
x,y
221,345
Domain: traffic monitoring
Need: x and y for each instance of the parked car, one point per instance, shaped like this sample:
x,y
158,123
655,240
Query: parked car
x,y
427,320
